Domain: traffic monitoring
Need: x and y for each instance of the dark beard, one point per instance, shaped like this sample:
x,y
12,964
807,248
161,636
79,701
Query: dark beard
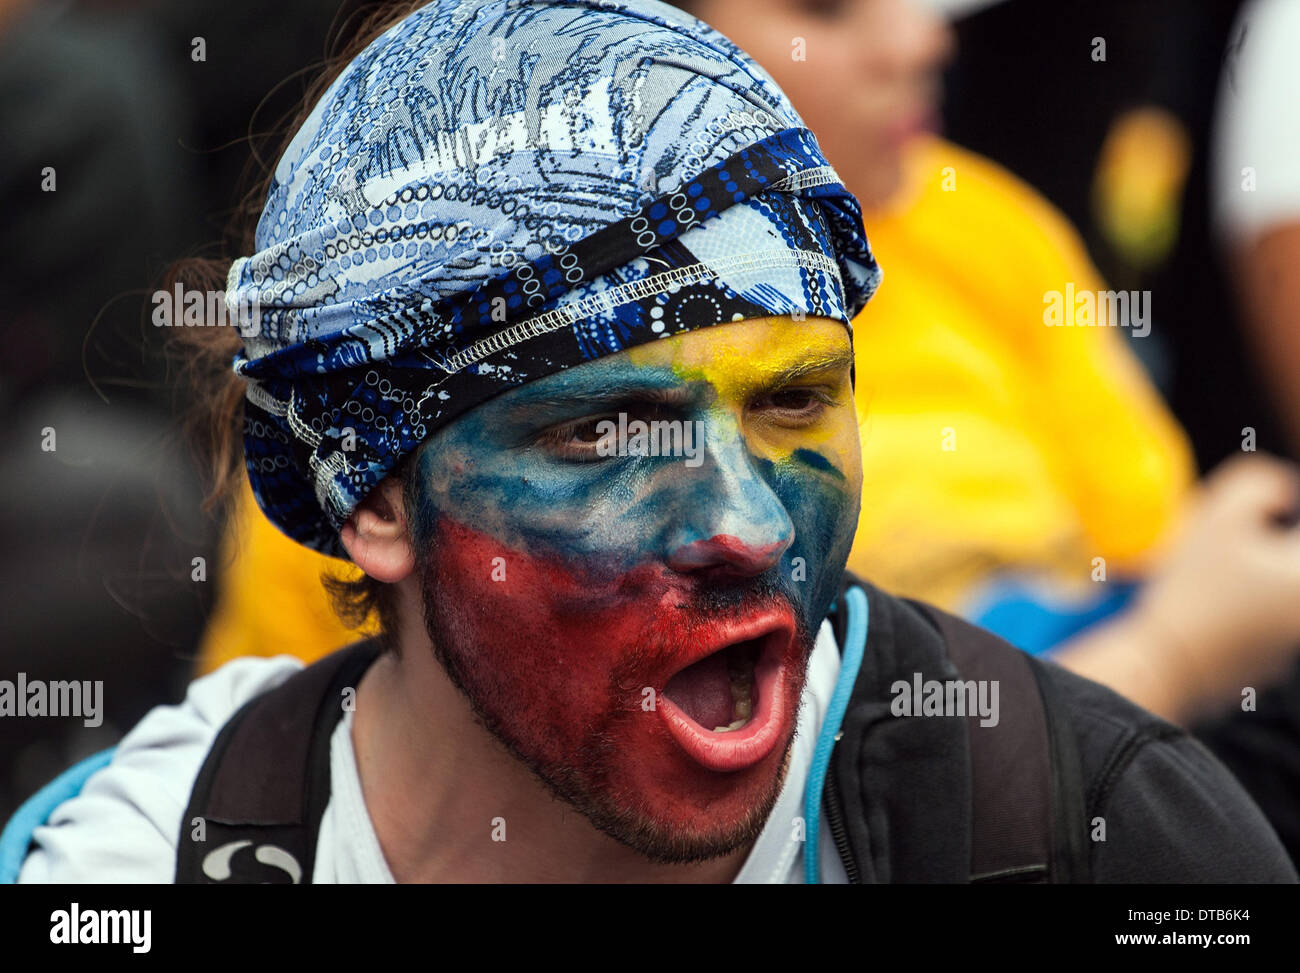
x,y
586,788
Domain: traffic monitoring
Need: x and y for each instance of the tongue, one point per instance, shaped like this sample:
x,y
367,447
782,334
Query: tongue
x,y
703,691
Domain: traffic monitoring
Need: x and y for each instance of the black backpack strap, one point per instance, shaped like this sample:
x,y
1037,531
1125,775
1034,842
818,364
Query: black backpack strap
x,y
1071,855
258,800
1027,810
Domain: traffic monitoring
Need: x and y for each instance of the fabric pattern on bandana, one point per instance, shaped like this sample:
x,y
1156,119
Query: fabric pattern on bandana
x,y
494,191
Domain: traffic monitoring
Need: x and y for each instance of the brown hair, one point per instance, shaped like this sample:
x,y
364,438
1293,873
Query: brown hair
x,y
202,355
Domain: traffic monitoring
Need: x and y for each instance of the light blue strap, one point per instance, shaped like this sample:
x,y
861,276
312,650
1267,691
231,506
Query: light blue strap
x,y
17,836
855,643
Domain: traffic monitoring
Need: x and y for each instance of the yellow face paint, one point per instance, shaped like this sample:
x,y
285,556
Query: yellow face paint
x,y
755,365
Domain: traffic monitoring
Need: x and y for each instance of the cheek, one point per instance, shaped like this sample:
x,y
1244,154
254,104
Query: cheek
x,y
536,642
824,511
604,520
820,484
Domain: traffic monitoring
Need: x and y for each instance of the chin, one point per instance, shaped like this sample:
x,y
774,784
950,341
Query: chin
x,y
694,817
636,782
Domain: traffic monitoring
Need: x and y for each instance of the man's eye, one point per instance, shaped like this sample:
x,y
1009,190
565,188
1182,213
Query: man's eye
x,y
584,432
795,406
576,440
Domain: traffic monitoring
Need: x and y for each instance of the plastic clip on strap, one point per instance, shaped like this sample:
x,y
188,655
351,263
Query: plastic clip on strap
x,y
855,643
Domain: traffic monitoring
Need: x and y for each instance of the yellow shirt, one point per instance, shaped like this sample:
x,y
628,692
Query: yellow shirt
x,y
989,439
270,600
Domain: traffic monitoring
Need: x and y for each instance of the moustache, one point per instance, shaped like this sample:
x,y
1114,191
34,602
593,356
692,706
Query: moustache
x,y
697,618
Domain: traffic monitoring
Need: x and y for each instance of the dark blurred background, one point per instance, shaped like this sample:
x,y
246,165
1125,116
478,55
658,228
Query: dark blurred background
x,y
150,150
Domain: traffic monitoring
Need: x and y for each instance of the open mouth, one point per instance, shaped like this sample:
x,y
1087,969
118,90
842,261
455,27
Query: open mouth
x,y
727,709
719,690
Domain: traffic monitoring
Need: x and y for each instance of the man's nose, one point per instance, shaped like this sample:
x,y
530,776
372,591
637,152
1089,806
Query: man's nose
x,y
727,554
732,521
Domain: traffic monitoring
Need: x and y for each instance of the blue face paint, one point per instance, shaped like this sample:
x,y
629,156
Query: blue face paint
x,y
818,462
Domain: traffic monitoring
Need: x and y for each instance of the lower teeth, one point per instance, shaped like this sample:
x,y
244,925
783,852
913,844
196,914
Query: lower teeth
x,y
742,702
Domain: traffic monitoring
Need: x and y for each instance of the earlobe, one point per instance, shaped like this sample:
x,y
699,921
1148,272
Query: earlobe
x,y
376,537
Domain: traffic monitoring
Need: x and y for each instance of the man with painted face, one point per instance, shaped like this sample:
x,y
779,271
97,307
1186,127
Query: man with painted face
x,y
553,344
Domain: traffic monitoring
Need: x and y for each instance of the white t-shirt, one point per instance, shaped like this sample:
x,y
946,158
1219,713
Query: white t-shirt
x,y
123,826
1257,126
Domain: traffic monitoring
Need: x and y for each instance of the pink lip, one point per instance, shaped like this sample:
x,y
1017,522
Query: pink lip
x,y
745,747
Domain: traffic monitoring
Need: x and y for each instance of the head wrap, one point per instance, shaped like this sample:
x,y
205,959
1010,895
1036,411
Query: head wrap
x,y
496,190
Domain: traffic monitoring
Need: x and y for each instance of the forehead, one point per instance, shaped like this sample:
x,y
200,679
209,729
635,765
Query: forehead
x,y
731,358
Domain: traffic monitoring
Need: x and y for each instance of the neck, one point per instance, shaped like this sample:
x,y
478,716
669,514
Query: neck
x,y
449,803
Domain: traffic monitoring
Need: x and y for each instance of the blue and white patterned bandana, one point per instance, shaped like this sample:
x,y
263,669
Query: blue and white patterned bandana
x,y
497,190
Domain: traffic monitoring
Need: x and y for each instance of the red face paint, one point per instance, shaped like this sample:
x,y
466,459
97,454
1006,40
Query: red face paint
x,y
568,666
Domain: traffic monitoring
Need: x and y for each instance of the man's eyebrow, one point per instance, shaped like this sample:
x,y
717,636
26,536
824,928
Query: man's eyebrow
x,y
608,397
815,364
617,394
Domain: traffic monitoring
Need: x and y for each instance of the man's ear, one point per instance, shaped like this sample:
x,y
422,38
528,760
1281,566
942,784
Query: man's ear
x,y
376,537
